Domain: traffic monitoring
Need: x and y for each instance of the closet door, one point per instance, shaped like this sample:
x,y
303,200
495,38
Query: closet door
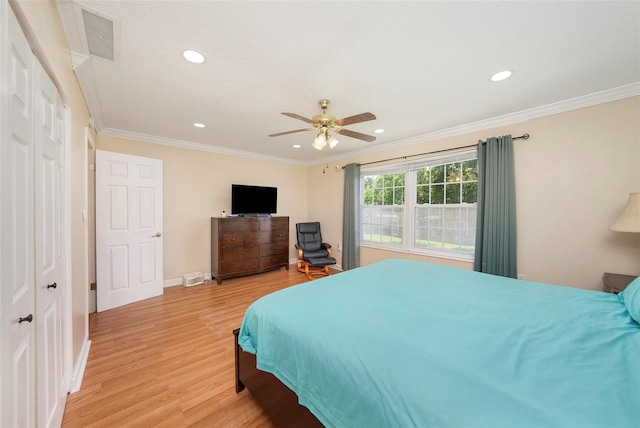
x,y
17,239
50,282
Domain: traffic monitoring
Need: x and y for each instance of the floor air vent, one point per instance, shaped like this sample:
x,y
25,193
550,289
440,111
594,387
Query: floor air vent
x,y
193,278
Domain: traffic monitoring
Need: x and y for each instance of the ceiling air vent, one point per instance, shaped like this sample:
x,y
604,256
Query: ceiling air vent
x,y
99,33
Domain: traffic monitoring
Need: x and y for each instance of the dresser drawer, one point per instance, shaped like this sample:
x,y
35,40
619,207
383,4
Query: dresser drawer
x,y
274,248
233,225
258,238
280,224
237,253
236,239
238,266
279,236
273,260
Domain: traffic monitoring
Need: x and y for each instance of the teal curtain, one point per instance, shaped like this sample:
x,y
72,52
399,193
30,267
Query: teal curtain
x,y
351,218
496,219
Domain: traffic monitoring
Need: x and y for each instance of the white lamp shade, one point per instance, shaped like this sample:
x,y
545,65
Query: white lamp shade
x,y
332,142
629,219
321,139
319,142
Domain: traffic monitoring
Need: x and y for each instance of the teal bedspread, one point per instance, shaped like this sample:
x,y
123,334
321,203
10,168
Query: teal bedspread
x,y
409,344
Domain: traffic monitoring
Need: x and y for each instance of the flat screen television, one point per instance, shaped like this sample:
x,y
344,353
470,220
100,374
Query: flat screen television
x,y
253,200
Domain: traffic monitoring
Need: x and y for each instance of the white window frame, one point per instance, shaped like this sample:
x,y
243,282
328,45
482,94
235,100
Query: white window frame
x,y
409,168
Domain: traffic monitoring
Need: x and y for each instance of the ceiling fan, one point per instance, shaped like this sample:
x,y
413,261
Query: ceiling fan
x,y
324,123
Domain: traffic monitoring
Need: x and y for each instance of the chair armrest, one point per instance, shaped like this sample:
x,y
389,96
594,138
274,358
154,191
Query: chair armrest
x,y
297,247
325,246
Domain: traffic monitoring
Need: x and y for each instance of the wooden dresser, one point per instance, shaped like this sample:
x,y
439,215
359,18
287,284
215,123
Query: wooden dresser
x,y
247,245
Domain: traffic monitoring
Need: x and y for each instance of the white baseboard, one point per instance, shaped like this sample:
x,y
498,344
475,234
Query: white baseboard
x,y
78,372
172,282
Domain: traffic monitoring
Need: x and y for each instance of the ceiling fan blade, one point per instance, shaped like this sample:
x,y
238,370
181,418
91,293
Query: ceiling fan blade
x,y
362,117
297,116
358,135
290,132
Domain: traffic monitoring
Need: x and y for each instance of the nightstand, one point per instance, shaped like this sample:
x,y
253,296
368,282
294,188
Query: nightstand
x,y
615,282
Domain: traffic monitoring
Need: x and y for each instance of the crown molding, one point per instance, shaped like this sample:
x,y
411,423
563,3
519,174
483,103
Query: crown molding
x,y
182,144
576,103
601,97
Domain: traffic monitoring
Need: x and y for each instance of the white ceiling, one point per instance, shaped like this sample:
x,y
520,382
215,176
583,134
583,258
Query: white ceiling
x,y
420,67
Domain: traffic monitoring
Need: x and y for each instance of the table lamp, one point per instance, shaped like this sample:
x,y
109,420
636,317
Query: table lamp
x,y
629,218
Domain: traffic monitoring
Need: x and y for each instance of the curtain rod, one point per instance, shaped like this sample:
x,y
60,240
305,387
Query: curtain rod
x,y
522,137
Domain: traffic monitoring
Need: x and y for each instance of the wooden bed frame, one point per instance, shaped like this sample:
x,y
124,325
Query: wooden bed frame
x,y
275,398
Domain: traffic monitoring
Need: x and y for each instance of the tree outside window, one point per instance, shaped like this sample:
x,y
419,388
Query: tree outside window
x,y
437,198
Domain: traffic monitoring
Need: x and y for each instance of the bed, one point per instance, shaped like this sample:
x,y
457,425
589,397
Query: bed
x,y
401,343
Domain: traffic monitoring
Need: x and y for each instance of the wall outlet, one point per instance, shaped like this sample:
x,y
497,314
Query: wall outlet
x,y
339,247
522,276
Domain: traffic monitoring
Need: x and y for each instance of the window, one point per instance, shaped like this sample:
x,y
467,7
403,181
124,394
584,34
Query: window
x,y
383,208
436,198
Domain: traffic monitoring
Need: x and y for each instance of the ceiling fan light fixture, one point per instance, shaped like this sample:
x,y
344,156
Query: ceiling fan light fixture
x,y
332,141
320,141
324,123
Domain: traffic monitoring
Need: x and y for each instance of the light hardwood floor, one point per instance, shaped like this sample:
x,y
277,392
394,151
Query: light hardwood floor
x,y
169,361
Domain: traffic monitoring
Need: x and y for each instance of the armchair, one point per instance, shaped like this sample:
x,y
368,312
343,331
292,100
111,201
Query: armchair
x,y
314,256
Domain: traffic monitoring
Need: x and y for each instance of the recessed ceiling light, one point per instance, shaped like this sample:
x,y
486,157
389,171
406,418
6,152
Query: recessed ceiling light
x,y
296,146
379,131
199,125
193,56
501,76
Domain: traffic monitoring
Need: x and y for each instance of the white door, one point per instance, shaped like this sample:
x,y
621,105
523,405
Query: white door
x,y
128,229
50,279
17,240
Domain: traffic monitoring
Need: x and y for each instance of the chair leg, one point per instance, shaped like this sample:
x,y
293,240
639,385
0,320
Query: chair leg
x,y
307,271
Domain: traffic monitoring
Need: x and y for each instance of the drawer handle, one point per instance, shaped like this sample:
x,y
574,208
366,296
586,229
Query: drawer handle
x,y
54,285
28,318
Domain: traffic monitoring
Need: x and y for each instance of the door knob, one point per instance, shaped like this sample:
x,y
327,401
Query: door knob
x,y
157,235
54,285
28,318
